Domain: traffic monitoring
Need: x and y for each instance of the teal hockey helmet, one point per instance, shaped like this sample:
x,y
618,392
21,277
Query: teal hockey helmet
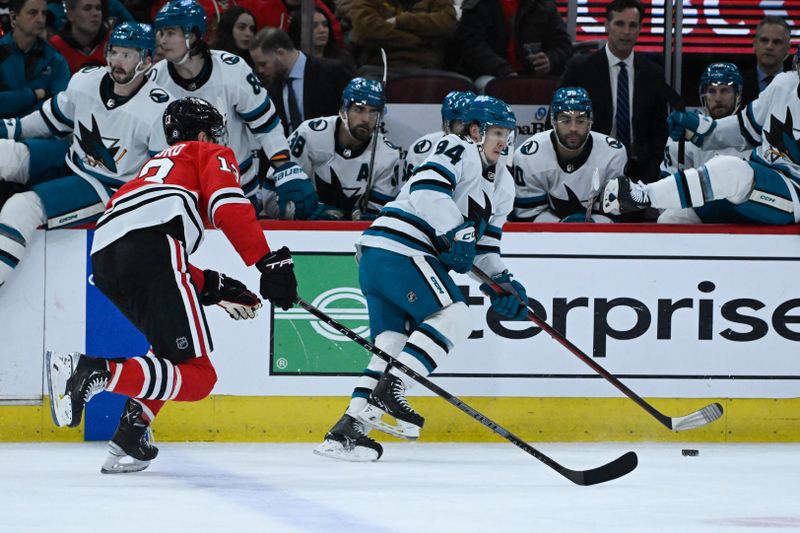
x,y
133,35
490,111
455,105
570,99
365,92
185,14
721,74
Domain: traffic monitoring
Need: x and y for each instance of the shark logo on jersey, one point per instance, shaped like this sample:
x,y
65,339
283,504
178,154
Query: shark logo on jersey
x,y
99,150
570,206
479,214
530,148
334,193
781,138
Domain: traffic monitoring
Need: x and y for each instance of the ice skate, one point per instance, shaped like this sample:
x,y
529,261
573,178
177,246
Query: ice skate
x,y
621,195
72,380
389,397
348,441
130,449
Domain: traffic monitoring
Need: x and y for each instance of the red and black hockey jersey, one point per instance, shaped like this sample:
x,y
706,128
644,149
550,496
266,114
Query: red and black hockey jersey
x,y
195,181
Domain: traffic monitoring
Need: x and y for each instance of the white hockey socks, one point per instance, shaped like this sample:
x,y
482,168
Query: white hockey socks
x,y
390,342
20,216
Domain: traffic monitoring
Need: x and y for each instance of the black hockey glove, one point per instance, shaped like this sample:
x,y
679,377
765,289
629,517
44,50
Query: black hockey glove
x,y
278,283
230,294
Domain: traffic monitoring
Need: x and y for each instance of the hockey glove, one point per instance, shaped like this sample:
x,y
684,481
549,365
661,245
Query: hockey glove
x,y
278,283
510,303
457,247
694,126
292,185
326,212
230,294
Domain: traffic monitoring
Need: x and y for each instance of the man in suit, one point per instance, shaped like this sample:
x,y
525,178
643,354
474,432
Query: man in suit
x,y
771,47
301,87
628,92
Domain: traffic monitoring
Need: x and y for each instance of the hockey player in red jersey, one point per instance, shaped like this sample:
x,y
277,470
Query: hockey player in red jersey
x,y
140,261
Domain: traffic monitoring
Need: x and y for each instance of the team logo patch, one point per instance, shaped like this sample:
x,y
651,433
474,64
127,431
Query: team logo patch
x,y
229,59
159,96
411,296
317,125
390,145
613,143
530,148
423,146
182,343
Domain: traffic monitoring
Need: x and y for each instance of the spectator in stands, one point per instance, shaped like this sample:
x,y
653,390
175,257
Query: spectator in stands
x,y
771,47
504,38
5,18
413,33
301,87
235,33
293,8
82,40
325,45
114,13
628,92
559,173
30,69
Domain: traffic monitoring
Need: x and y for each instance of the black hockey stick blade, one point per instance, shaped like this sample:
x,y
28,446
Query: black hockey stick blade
x,y
616,468
693,420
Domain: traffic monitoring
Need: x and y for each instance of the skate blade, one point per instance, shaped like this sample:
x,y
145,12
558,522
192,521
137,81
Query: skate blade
x,y
335,450
59,369
118,462
373,417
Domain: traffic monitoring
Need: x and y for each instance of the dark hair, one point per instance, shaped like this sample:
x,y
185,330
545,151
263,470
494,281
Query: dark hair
x,y
270,39
778,21
15,6
224,39
331,50
621,5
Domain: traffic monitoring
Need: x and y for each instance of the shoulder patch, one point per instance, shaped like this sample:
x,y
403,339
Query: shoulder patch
x,y
529,148
230,59
318,125
90,68
613,143
159,96
390,144
423,146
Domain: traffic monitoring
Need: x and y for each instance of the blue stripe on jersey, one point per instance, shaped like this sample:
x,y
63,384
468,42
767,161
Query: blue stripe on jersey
x,y
380,198
428,185
402,238
530,201
12,234
679,184
258,112
268,126
743,129
59,114
493,231
414,220
439,169
752,119
786,170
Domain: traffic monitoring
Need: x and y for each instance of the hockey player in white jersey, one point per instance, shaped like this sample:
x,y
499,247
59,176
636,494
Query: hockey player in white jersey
x,y
114,116
191,68
559,173
448,216
720,94
727,189
454,107
336,152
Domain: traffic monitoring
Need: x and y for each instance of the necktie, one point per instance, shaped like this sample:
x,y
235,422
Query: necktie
x,y
294,112
767,80
622,118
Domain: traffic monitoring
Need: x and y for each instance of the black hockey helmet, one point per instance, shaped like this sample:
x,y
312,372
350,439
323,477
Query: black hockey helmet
x,y
185,118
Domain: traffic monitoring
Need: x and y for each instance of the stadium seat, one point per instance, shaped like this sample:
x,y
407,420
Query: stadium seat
x,y
425,89
522,89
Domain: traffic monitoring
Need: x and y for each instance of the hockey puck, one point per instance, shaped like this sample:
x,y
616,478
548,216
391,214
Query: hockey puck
x,y
689,452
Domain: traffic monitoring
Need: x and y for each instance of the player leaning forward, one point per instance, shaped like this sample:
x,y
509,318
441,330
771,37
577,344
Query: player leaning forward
x,y
448,216
140,261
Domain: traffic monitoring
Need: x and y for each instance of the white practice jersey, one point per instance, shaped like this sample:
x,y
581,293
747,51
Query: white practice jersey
x,y
770,123
340,175
422,148
112,137
232,87
694,156
550,189
450,187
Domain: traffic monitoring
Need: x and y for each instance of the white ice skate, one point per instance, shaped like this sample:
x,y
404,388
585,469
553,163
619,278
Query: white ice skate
x,y
59,368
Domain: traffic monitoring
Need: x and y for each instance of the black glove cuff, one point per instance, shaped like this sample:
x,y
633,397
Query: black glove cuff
x,y
210,293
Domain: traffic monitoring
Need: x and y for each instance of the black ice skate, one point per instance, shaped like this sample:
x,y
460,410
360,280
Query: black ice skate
x,y
72,380
389,397
130,449
348,441
621,195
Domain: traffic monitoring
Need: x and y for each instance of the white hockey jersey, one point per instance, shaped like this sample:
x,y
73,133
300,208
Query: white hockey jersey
x,y
339,174
549,189
112,136
229,83
768,123
422,148
450,187
694,156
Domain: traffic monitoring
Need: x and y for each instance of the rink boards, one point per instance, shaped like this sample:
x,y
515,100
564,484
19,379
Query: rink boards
x,y
682,318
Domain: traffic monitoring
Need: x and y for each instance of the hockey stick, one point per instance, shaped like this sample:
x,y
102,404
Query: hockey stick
x,y
693,420
364,200
616,468
593,192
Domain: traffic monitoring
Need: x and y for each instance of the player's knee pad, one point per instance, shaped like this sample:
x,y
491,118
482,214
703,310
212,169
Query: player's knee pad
x,y
728,177
14,161
453,321
24,212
